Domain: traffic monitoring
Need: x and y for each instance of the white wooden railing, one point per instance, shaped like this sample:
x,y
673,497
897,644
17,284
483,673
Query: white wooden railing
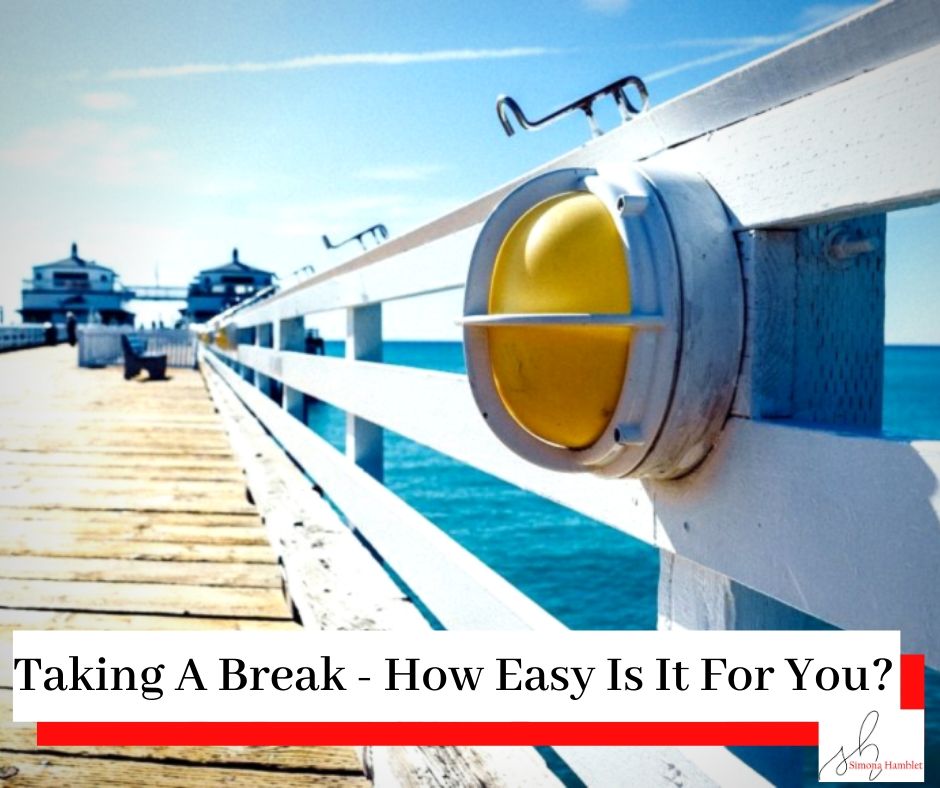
x,y
100,346
803,508
26,335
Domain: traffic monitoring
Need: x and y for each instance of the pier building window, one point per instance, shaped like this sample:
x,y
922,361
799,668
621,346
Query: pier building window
x,y
70,279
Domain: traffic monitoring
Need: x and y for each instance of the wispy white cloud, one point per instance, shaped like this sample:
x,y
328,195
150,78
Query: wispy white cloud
x,y
329,61
821,14
400,172
810,19
106,100
95,152
706,60
68,146
732,41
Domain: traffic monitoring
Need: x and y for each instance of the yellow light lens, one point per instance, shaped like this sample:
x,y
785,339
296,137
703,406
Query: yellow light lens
x,y
561,384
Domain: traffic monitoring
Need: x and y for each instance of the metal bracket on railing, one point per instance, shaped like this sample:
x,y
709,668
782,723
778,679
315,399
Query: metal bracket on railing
x,y
264,292
586,104
379,233
300,273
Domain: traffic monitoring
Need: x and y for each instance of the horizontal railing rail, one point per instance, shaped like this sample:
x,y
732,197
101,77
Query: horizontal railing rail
x,y
158,292
27,335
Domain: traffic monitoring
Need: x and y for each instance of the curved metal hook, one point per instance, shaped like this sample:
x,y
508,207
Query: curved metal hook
x,y
502,102
627,110
506,104
379,232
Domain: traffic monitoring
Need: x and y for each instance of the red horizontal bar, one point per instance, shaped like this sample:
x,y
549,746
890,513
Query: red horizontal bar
x,y
912,681
246,734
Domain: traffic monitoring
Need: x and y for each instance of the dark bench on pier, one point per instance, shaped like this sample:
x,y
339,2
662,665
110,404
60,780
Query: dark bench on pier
x,y
136,359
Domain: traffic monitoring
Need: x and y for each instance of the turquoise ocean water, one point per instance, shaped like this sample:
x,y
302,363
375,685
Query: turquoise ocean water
x,y
589,575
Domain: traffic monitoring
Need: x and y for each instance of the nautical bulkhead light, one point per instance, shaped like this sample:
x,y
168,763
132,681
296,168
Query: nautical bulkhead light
x,y
604,320
226,337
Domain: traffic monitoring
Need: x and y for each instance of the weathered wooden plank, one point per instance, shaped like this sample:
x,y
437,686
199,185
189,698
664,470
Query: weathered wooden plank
x,y
104,393
44,770
827,155
190,501
77,424
221,495
16,474
29,458
86,434
54,531
110,480
12,619
75,421
125,570
768,263
183,600
77,546
814,349
21,737
123,453
51,442
134,518
427,767
838,354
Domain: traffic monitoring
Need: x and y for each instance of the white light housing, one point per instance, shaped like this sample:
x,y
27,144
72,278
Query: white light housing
x,y
604,320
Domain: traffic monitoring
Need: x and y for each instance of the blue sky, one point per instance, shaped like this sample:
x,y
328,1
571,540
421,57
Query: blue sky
x,y
161,134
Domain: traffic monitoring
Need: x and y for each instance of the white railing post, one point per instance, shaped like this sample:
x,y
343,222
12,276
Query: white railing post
x,y
364,343
263,338
289,335
813,352
692,597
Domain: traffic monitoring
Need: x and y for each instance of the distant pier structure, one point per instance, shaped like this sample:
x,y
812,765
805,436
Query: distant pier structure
x,y
214,290
73,284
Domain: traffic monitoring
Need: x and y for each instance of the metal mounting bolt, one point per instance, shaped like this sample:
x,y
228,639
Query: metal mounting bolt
x,y
842,247
628,434
631,204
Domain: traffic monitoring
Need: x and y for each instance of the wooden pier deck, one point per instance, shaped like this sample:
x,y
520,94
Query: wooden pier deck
x,y
122,507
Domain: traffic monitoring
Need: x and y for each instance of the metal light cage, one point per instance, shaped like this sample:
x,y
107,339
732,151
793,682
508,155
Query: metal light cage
x,y
686,321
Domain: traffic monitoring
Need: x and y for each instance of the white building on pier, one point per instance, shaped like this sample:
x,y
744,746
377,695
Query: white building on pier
x,y
215,289
85,288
